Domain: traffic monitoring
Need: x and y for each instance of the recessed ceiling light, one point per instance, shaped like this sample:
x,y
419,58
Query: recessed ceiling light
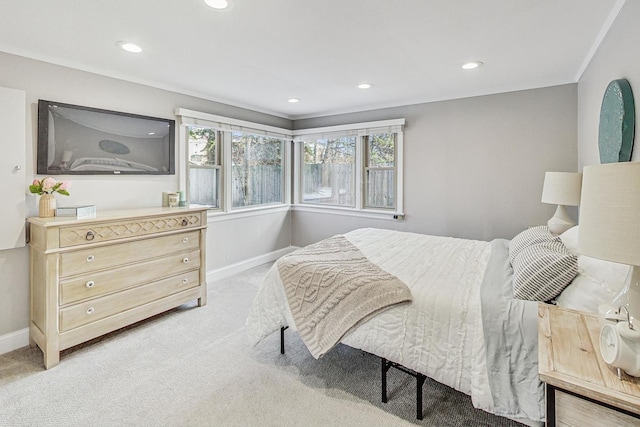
x,y
293,100
365,86
217,4
471,65
129,47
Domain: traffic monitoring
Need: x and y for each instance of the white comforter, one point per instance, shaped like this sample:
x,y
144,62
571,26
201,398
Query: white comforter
x,y
440,334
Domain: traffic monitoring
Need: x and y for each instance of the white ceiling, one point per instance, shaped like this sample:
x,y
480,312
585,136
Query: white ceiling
x,y
260,53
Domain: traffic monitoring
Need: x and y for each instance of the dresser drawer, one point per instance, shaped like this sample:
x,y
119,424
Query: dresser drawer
x,y
82,261
94,232
103,282
91,311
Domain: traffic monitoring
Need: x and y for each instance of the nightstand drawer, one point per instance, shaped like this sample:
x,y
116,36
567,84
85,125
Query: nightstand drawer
x,y
574,411
82,261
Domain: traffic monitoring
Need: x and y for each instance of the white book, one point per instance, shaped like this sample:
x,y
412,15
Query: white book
x,y
85,211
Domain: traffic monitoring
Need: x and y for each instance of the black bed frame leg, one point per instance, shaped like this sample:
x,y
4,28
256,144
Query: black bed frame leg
x,y
385,368
282,329
420,379
419,383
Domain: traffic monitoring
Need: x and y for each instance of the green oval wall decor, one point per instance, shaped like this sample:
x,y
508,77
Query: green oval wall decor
x,y
617,123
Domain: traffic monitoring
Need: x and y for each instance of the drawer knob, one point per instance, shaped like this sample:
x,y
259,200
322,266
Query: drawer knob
x,y
185,260
185,280
185,240
90,310
90,284
185,222
90,235
90,258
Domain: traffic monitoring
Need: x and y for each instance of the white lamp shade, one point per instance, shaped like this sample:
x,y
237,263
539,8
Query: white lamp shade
x,y
610,213
562,188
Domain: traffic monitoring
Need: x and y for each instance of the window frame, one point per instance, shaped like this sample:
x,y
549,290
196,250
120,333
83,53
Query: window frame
x,y
219,152
292,166
353,187
366,168
225,126
360,130
283,165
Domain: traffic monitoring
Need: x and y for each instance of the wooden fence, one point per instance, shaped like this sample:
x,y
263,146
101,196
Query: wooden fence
x,y
323,184
257,185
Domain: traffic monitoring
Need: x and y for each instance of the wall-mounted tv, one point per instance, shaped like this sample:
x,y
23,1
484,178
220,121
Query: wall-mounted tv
x,y
76,140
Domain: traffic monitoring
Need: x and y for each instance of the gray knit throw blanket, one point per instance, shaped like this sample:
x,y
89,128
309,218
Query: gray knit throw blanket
x,y
331,287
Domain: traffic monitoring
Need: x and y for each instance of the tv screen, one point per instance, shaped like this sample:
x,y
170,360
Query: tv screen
x,y
76,140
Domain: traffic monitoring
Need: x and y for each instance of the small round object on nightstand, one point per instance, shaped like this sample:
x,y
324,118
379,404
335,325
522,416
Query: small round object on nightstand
x,y
609,344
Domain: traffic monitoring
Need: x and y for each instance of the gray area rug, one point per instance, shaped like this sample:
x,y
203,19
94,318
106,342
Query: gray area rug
x,y
194,367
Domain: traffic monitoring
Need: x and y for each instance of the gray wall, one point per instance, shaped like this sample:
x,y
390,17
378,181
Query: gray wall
x,y
228,241
616,58
473,168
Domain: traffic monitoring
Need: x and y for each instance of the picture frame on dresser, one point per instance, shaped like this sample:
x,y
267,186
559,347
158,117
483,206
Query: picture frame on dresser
x,y
91,276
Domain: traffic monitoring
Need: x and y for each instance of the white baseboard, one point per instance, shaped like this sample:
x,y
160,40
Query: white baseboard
x,y
241,266
14,340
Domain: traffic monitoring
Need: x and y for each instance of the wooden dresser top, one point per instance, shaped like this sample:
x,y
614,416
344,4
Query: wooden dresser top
x,y
107,215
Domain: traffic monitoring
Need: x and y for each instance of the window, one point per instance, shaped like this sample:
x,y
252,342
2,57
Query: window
x,y
328,173
204,166
233,164
257,163
380,171
357,167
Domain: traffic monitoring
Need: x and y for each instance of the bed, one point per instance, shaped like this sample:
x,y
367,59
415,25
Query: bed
x,y
472,320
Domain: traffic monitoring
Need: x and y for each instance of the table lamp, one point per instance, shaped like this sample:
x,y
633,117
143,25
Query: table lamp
x,y
562,189
610,230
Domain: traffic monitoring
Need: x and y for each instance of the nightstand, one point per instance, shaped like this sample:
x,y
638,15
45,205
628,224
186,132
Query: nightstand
x,y
581,389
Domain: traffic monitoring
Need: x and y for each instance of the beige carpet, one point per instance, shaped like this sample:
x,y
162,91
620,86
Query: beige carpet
x,y
193,367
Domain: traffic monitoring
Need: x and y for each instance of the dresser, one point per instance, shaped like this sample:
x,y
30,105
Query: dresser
x,y
93,276
581,389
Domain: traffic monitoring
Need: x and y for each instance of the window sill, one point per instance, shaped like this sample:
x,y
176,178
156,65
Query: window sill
x,y
217,215
361,213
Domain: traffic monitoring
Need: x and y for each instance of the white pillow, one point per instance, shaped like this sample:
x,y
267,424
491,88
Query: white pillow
x,y
598,281
570,239
611,273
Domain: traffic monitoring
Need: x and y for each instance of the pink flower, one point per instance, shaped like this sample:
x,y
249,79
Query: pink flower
x,y
48,184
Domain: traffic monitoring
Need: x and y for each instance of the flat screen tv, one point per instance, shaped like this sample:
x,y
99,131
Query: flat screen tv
x,y
76,140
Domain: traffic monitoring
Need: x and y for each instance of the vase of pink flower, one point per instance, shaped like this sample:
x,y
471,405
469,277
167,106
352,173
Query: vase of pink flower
x,y
46,188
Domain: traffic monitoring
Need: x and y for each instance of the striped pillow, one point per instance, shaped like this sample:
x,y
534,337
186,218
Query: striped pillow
x,y
541,271
528,237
